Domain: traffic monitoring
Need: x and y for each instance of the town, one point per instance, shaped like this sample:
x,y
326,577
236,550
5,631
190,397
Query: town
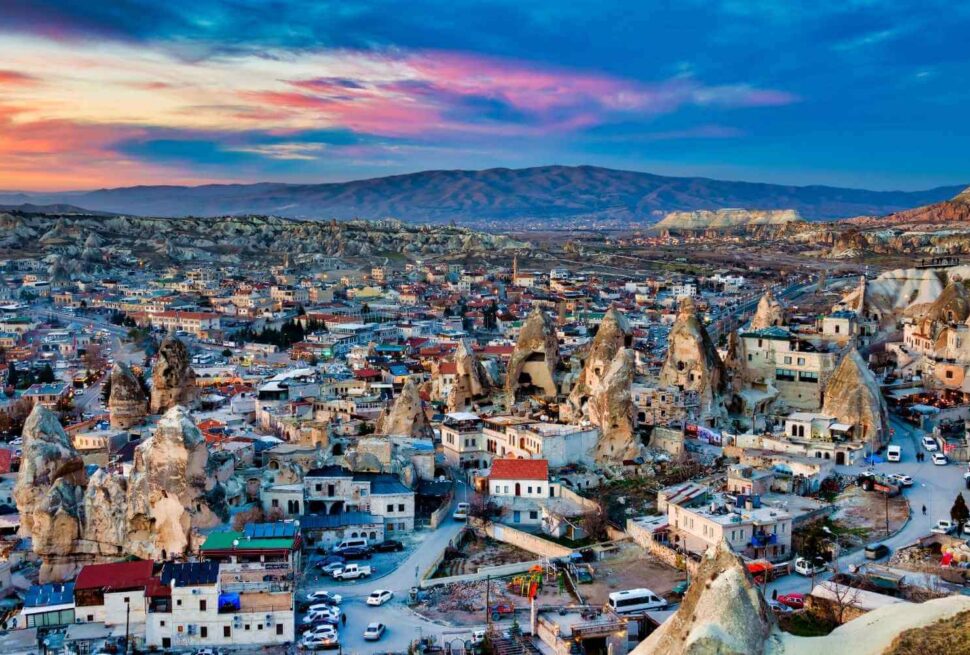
x,y
472,449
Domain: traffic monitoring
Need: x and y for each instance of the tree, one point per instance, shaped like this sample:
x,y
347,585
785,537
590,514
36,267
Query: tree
x,y
227,353
13,375
595,524
46,375
252,515
959,511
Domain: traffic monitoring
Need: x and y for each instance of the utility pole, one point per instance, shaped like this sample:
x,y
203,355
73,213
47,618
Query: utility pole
x,y
127,623
887,513
488,603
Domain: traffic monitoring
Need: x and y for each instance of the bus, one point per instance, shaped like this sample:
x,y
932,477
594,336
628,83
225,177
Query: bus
x,y
635,600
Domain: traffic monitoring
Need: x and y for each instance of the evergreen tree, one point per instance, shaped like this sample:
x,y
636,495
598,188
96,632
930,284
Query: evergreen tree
x,y
959,511
46,375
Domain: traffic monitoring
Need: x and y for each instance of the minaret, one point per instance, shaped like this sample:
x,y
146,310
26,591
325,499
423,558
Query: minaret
x,y
515,267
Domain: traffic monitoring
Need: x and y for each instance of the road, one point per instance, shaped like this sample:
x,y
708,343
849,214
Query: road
x,y
934,487
403,625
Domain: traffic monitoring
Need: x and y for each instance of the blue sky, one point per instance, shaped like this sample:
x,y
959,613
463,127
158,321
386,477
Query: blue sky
x,y
869,94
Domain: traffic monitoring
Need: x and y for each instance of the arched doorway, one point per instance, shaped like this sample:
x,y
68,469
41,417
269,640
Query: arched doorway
x,y
518,489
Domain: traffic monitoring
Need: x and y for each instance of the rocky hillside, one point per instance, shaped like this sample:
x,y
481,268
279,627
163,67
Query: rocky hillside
x,y
954,210
552,196
725,219
88,241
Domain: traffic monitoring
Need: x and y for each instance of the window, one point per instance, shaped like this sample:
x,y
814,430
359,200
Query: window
x,y
808,376
203,632
202,605
259,626
801,361
533,515
279,628
318,487
785,374
949,374
788,360
246,626
390,508
400,507
178,602
837,328
276,502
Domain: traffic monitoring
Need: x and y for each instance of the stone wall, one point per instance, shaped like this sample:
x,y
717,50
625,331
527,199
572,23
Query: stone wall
x,y
524,540
664,553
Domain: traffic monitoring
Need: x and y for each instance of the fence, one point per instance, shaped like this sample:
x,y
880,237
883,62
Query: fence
x,y
442,513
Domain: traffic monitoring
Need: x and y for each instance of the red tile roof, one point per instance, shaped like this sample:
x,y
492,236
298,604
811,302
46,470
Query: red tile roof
x,y
117,575
520,469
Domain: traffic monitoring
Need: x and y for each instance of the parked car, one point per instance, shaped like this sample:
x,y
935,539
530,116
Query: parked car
x,y
356,553
944,526
929,443
352,572
321,631
794,601
314,618
902,479
389,546
461,511
374,631
324,597
940,459
778,608
808,568
876,551
379,597
501,609
320,643
328,569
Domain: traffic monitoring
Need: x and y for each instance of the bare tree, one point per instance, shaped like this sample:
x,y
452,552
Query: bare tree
x,y
595,525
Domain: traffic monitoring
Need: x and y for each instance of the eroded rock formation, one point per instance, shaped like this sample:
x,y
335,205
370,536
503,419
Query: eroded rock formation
x,y
49,493
126,402
173,380
612,337
692,362
852,396
532,367
722,613
610,408
406,415
72,521
769,312
167,488
469,383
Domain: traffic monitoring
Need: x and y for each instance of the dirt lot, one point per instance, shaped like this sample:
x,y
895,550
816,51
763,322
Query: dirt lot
x,y
464,603
865,511
630,568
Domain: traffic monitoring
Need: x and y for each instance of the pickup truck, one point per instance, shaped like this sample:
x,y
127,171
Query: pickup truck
x,y
351,572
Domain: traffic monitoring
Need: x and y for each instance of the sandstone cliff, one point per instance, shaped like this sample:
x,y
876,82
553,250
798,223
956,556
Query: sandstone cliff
x,y
469,383
532,366
173,380
725,219
612,336
610,408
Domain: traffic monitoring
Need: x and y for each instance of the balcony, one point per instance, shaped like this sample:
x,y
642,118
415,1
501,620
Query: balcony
x,y
763,539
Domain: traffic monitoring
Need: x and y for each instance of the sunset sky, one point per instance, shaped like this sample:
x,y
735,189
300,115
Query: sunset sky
x,y
850,93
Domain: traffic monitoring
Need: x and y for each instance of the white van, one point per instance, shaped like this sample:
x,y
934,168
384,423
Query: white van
x,y
894,454
354,542
635,600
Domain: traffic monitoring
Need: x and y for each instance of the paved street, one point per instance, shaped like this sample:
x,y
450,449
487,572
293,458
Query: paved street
x,y
933,486
403,625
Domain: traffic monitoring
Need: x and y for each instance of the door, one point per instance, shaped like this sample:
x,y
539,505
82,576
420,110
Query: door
x,y
516,516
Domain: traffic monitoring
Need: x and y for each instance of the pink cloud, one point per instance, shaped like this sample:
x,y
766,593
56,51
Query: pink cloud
x,y
13,78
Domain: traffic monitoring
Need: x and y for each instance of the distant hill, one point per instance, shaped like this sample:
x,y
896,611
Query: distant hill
x,y
952,210
549,195
58,208
725,219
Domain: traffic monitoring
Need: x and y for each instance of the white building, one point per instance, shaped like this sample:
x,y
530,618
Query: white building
x,y
559,444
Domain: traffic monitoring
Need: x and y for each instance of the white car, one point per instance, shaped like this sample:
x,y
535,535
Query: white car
x,y
318,643
324,597
374,631
805,567
929,443
902,479
379,597
939,459
461,511
944,526
323,631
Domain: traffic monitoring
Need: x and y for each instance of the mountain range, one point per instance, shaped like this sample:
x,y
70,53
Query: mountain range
x,y
549,196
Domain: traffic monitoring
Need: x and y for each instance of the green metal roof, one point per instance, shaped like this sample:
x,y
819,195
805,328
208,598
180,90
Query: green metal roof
x,y
223,541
